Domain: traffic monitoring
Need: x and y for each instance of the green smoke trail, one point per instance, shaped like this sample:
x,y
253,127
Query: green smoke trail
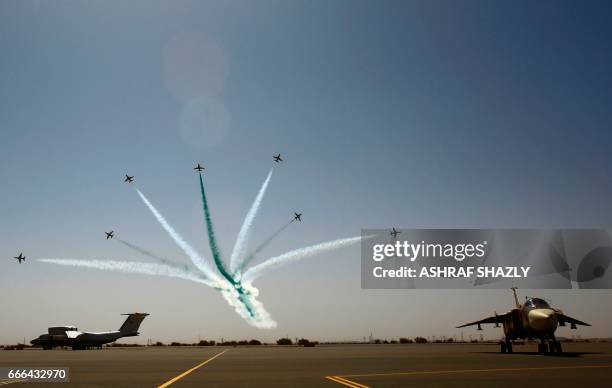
x,y
261,247
212,241
153,255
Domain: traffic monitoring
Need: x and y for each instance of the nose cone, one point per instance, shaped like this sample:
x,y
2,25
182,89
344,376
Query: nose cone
x,y
542,320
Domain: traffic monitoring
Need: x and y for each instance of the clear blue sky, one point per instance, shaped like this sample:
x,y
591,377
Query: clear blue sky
x,y
388,113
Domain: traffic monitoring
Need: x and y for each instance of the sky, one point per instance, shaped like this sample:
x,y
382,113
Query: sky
x,y
413,114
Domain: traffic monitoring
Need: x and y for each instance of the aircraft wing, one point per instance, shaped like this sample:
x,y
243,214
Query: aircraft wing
x,y
494,319
563,319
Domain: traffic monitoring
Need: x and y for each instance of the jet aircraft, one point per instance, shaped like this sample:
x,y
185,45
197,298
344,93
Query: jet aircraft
x,y
128,178
78,340
394,232
20,258
297,216
110,234
277,158
199,168
534,319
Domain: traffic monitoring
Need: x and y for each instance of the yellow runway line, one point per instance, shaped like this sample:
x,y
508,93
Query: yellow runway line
x,y
177,378
433,372
346,382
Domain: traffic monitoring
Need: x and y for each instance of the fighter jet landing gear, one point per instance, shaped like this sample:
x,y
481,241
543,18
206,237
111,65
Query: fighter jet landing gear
x,y
552,347
506,347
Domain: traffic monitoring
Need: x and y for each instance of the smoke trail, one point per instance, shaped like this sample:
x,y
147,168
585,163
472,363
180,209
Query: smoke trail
x,y
243,301
212,241
248,307
133,267
243,235
258,270
193,255
260,248
151,255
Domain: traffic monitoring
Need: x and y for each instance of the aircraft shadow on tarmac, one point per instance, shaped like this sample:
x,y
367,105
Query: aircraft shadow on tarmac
x,y
558,355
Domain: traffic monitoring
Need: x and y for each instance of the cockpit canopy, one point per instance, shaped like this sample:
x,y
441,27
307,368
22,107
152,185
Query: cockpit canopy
x,y
60,330
536,303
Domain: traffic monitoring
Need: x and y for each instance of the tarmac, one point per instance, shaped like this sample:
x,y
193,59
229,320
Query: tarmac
x,y
356,366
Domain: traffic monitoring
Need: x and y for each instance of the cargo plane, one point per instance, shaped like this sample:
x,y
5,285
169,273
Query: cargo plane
x,y
79,340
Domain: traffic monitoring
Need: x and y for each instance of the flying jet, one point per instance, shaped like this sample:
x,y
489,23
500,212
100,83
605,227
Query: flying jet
x,y
394,232
297,217
110,234
78,340
199,168
128,178
277,158
20,258
534,319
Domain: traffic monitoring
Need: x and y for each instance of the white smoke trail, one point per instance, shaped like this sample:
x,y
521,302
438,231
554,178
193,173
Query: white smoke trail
x,y
256,315
134,267
193,255
258,270
243,236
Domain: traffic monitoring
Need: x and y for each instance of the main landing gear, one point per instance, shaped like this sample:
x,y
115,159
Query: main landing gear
x,y
552,347
506,346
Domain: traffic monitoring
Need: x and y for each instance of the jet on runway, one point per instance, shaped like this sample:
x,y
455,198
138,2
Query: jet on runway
x,y
278,158
394,233
297,216
128,178
77,340
535,319
20,258
199,168
110,234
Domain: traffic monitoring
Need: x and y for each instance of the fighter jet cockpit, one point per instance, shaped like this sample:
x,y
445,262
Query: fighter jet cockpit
x,y
536,303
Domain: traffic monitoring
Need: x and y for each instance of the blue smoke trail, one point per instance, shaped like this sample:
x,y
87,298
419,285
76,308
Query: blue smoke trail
x,y
151,255
260,248
243,236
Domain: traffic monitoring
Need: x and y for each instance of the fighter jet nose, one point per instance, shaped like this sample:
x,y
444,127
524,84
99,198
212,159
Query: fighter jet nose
x,y
542,319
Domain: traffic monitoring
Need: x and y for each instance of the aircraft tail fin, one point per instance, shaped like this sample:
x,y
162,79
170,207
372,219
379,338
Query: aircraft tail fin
x,y
132,323
516,301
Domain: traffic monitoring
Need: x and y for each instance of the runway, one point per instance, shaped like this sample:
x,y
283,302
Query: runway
x,y
356,366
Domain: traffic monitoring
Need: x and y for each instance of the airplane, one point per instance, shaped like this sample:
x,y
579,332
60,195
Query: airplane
x,y
128,178
110,234
394,233
535,319
297,217
199,168
20,258
277,158
78,340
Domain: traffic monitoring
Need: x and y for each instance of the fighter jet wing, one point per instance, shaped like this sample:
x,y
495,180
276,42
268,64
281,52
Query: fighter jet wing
x,y
493,319
563,319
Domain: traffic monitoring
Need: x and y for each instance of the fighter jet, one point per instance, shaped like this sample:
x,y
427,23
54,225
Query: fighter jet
x,y
20,258
394,233
77,340
277,158
297,217
535,319
199,168
110,234
128,178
